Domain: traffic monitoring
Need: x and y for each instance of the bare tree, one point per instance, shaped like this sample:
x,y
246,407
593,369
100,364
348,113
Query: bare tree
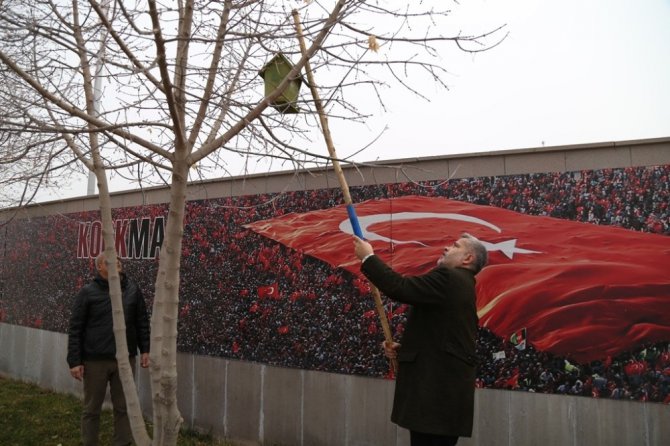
x,y
167,91
28,158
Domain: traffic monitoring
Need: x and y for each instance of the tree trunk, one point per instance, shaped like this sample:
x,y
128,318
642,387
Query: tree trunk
x,y
167,419
125,372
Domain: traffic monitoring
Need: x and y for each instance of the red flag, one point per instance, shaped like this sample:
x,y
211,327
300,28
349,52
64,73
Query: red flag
x,y
369,314
583,290
513,381
400,310
295,296
271,291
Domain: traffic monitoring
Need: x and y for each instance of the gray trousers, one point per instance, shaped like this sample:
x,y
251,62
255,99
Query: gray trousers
x,y
96,376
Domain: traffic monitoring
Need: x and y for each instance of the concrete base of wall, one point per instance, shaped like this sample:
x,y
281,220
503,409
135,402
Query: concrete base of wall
x,y
256,404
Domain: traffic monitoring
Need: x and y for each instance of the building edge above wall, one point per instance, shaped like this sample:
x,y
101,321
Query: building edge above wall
x,y
495,163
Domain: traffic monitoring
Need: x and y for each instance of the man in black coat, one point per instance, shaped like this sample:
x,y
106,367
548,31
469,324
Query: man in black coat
x,y
91,352
435,385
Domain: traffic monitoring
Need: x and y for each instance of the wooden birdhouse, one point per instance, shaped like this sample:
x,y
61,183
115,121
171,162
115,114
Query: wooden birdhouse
x,y
273,73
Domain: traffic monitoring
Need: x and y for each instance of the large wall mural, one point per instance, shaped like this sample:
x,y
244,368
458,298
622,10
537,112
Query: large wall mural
x,y
575,300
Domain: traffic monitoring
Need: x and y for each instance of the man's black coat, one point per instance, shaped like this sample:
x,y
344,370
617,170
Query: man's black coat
x,y
91,331
435,382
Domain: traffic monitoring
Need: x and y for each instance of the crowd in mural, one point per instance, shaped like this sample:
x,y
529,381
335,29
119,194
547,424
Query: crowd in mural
x,y
642,375
246,297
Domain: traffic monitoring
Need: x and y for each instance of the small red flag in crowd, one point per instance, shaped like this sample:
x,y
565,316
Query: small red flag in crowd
x,y
513,381
271,291
369,314
295,296
583,290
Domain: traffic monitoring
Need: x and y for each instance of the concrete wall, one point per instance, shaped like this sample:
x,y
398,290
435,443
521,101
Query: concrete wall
x,y
263,405
266,405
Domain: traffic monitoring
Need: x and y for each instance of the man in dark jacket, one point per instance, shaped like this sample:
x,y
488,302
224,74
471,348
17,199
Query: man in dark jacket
x,y
91,352
435,385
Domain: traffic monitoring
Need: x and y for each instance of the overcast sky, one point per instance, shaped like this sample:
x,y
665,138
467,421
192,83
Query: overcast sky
x,y
570,72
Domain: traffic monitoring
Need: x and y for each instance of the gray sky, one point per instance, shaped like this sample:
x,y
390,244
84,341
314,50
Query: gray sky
x,y
570,72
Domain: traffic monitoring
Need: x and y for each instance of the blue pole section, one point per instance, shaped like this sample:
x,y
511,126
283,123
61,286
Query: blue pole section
x,y
354,221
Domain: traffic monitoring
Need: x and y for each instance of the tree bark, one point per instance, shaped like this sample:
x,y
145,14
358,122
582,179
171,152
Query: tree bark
x,y
167,419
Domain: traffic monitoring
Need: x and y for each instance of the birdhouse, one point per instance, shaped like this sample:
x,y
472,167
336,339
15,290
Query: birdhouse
x,y
273,73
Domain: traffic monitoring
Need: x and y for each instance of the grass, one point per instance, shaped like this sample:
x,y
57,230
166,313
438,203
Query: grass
x,y
32,416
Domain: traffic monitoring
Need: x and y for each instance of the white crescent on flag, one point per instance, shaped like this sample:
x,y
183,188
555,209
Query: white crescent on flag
x,y
507,247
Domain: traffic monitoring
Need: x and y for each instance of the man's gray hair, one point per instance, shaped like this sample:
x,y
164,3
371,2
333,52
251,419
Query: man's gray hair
x,y
99,260
478,250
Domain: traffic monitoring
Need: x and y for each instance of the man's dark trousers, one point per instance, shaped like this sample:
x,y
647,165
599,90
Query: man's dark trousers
x,y
96,376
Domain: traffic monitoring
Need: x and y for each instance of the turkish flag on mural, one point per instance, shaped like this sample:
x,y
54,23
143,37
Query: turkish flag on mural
x,y
581,290
271,291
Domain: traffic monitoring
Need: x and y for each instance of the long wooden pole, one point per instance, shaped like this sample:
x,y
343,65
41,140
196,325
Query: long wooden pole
x,y
388,336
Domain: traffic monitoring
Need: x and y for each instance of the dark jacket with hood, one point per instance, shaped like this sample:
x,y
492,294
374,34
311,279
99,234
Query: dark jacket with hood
x,y
91,333
435,384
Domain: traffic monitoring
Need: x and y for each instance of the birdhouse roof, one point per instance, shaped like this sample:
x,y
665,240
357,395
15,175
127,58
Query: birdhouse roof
x,y
278,59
